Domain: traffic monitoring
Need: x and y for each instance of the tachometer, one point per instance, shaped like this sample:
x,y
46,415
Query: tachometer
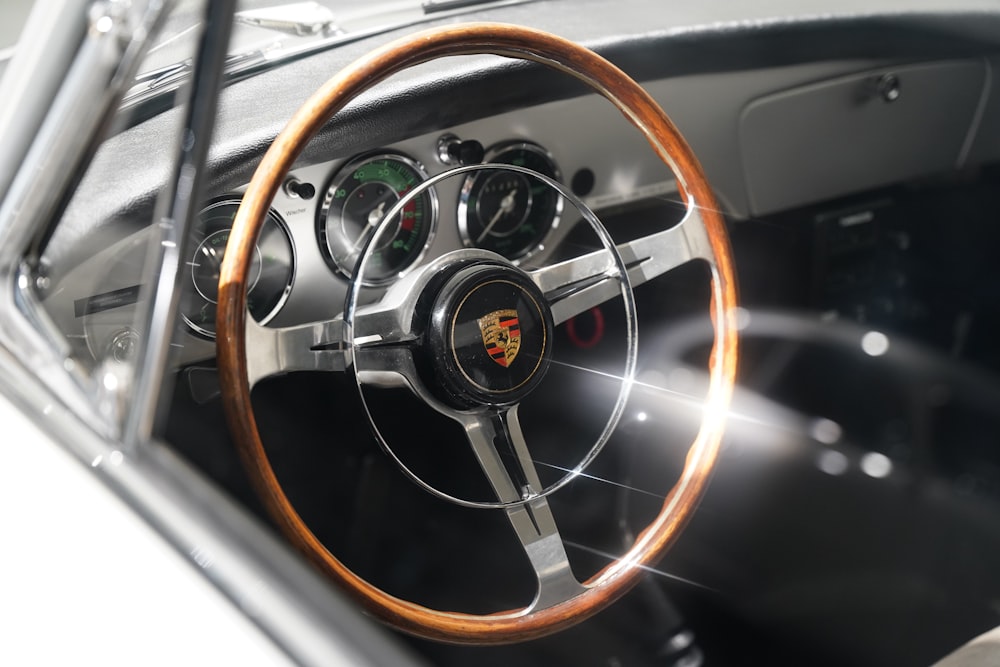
x,y
271,273
508,212
357,199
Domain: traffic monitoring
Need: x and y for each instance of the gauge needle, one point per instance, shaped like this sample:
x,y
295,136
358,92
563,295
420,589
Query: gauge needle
x,y
374,217
506,204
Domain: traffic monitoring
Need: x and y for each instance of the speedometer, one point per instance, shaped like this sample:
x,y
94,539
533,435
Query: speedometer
x,y
508,212
356,201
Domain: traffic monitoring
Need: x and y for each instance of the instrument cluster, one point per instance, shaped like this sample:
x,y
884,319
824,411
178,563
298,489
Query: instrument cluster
x,y
326,215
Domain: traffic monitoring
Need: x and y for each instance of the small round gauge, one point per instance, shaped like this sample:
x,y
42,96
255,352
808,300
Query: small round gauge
x,y
271,269
509,212
356,201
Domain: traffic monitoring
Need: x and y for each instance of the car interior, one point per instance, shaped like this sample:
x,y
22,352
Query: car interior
x,y
852,151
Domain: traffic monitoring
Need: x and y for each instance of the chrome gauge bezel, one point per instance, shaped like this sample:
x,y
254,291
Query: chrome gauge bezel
x,y
193,291
344,173
494,154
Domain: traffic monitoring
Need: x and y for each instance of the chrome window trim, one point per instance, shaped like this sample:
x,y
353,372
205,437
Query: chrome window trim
x,y
259,574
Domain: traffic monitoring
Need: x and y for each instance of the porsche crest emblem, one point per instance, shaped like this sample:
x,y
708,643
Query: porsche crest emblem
x,y
501,335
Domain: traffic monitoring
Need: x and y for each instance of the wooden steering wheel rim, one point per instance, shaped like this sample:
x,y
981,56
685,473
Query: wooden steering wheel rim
x,y
643,112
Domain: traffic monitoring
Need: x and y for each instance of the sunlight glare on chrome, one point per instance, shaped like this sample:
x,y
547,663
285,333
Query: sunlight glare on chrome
x,y
635,382
602,480
593,371
651,381
647,568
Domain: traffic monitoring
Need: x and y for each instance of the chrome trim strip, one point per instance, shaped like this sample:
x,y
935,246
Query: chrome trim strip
x,y
176,208
78,95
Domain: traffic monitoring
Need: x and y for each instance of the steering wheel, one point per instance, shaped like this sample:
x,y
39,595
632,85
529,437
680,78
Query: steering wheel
x,y
484,401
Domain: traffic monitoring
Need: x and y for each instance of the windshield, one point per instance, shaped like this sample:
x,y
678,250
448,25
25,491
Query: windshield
x,y
268,32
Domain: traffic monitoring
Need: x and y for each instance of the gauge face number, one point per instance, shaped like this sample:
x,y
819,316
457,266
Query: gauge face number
x,y
354,206
509,212
271,268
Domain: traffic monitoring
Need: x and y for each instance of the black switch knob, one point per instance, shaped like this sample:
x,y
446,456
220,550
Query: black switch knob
x,y
467,152
454,151
296,188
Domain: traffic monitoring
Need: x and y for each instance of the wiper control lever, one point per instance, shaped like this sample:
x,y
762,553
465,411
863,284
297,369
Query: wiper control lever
x,y
300,18
432,6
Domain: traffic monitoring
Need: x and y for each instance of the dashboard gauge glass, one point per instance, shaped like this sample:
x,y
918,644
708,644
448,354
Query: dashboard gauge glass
x,y
271,270
508,212
356,201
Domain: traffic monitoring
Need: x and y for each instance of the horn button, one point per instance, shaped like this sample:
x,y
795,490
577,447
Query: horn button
x,y
490,336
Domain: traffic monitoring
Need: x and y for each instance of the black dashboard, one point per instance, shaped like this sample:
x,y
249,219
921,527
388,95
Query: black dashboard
x,y
771,139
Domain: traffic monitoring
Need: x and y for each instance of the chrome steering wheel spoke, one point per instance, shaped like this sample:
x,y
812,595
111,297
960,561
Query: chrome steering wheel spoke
x,y
577,285
387,366
322,346
317,346
499,445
